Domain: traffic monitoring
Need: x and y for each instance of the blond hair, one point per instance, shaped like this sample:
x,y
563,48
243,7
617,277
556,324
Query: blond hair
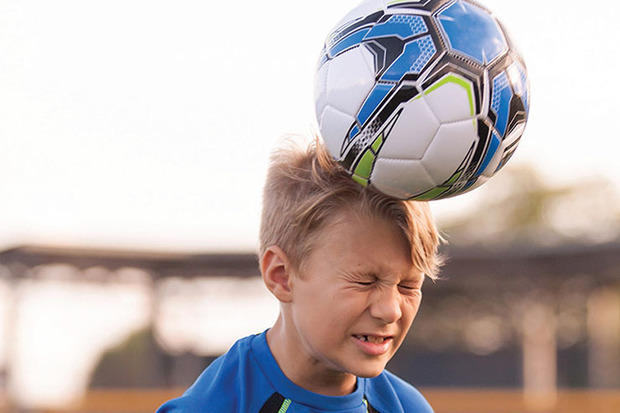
x,y
305,188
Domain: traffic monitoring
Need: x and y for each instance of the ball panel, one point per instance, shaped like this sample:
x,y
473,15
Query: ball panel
x,y
365,8
412,133
333,124
451,99
450,146
320,88
401,178
349,80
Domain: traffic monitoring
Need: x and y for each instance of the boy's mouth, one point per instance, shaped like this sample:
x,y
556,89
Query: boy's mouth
x,y
373,345
372,339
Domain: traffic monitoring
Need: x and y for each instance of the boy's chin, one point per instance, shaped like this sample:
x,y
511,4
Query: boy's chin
x,y
369,375
368,371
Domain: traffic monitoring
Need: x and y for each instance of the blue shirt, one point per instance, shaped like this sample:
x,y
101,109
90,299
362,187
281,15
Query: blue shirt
x,y
247,379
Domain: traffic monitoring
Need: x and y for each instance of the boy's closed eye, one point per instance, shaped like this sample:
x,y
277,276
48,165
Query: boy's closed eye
x,y
405,286
410,289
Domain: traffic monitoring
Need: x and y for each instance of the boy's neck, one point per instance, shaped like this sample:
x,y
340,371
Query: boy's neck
x,y
308,373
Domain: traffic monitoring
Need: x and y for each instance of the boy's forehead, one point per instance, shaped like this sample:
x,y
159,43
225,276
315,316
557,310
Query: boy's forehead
x,y
354,219
332,227
350,227
358,245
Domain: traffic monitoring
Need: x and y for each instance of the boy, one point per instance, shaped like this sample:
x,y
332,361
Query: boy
x,y
347,265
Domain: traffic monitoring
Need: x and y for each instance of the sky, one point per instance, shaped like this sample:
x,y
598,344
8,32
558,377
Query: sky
x,y
148,124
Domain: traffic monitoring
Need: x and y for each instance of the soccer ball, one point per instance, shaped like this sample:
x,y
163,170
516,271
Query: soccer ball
x,y
421,99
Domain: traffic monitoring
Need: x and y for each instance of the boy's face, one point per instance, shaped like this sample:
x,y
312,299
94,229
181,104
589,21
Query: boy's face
x,y
355,297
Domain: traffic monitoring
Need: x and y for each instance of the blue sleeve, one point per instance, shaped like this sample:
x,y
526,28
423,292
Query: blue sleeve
x,y
215,387
232,383
390,393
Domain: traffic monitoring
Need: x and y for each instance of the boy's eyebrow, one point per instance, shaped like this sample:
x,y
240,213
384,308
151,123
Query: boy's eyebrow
x,y
415,276
361,273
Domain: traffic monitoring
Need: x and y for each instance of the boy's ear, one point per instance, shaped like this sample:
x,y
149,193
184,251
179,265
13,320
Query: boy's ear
x,y
276,271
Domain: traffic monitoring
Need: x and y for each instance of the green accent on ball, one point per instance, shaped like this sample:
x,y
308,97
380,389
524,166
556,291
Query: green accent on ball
x,y
364,167
360,180
362,171
454,178
432,194
458,81
377,144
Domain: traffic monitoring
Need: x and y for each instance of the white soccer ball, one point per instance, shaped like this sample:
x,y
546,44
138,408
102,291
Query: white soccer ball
x,y
421,99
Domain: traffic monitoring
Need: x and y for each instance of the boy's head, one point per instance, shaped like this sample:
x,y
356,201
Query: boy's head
x,y
305,189
347,264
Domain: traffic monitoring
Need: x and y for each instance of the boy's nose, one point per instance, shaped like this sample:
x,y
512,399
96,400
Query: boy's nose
x,y
386,305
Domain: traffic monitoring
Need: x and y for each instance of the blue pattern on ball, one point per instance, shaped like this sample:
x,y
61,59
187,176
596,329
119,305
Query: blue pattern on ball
x,y
402,26
348,42
493,145
472,31
415,57
520,86
500,103
373,101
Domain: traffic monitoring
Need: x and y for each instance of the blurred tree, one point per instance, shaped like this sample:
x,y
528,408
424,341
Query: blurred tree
x,y
139,362
136,362
519,206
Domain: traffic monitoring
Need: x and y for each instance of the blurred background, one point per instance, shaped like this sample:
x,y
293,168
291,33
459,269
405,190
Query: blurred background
x,y
134,139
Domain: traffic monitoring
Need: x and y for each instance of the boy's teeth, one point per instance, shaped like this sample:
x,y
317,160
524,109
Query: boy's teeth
x,y
372,339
